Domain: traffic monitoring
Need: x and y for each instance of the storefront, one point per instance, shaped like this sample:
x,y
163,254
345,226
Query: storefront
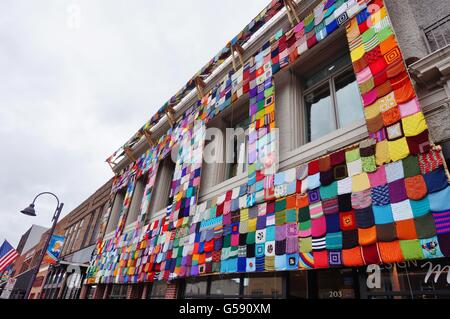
x,y
408,280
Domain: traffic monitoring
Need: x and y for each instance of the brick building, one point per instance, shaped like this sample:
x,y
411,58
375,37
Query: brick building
x,y
81,228
27,262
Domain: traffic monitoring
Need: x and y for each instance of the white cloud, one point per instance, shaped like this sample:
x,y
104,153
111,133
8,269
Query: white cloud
x,y
70,96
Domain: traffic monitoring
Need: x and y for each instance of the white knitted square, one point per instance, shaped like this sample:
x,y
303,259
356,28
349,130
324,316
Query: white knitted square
x,y
394,171
354,168
402,211
345,186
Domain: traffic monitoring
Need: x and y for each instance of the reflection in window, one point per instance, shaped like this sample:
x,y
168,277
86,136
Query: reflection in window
x,y
237,154
138,194
331,98
225,287
336,284
320,114
196,288
408,280
160,198
348,99
264,286
298,284
118,292
115,210
158,290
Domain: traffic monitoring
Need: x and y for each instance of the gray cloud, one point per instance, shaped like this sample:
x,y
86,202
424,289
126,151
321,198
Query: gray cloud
x,y
70,96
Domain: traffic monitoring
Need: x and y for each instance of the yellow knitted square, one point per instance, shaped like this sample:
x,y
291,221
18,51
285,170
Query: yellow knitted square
x,y
357,53
382,153
360,182
398,149
414,125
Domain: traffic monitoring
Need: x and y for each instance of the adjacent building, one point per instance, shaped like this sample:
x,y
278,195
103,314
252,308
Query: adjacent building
x,y
81,228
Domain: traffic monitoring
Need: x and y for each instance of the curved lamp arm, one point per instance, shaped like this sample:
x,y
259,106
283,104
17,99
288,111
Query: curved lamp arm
x,y
46,193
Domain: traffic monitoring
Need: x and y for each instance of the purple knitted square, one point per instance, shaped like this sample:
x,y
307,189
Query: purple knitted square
x,y
314,195
397,191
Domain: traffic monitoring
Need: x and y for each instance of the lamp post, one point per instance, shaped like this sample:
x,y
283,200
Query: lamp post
x,y
30,211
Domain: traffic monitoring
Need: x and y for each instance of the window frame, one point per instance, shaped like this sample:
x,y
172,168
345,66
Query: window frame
x,y
331,80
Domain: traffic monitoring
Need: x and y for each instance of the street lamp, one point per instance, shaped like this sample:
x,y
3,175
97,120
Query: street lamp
x,y
30,211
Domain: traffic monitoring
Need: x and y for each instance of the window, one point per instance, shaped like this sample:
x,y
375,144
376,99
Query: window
x,y
336,284
225,287
75,235
118,292
135,205
115,211
158,290
160,197
196,288
298,284
90,292
331,99
91,219
264,286
98,220
225,152
426,279
236,163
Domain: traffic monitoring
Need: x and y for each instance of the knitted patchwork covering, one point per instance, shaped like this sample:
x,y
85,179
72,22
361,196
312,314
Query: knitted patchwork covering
x,y
385,200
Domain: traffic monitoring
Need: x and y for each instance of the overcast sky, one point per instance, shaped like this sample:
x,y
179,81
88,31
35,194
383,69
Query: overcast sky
x,y
79,77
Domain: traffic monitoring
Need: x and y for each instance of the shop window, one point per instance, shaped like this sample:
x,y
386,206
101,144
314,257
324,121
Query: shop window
x,y
116,210
336,284
196,288
90,292
159,289
298,284
225,287
118,292
160,197
264,286
409,280
136,200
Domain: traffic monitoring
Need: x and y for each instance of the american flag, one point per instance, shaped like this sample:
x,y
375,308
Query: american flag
x,y
7,255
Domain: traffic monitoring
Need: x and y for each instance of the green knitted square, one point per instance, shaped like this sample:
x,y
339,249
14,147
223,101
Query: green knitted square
x,y
411,166
305,245
330,191
280,205
291,216
411,249
251,238
352,155
369,164
303,214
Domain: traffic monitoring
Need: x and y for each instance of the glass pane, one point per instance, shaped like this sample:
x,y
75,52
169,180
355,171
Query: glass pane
x,y
264,286
336,284
414,279
298,284
158,290
228,287
348,99
195,288
320,114
327,70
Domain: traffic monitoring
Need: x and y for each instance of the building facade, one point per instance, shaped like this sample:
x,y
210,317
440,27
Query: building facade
x,y
81,228
27,262
343,187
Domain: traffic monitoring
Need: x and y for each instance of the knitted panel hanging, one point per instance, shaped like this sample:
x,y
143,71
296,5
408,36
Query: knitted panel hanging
x,y
383,200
